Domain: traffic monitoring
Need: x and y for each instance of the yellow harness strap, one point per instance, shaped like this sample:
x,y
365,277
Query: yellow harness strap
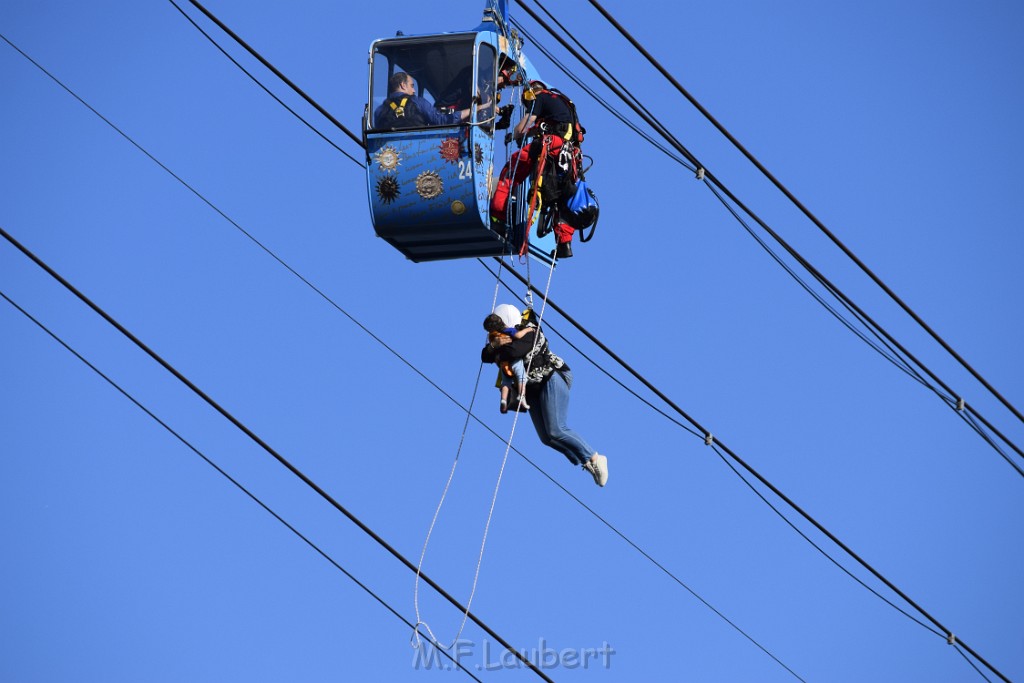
x,y
399,108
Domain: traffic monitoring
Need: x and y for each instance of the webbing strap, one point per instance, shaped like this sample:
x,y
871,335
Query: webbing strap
x,y
399,108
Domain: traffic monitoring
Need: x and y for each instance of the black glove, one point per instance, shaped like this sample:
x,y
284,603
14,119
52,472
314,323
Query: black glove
x,y
506,117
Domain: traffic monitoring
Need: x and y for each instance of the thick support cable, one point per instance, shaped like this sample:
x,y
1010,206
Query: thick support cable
x,y
619,89
241,487
660,395
709,178
356,322
260,84
789,195
701,172
277,73
608,84
712,180
269,449
742,463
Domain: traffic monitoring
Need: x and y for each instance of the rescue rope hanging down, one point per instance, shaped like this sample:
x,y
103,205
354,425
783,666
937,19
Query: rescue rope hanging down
x,y
415,638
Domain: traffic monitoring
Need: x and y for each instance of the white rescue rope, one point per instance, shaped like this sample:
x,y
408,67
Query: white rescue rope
x,y
415,640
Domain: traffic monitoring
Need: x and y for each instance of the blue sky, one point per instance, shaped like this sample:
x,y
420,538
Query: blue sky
x,y
128,558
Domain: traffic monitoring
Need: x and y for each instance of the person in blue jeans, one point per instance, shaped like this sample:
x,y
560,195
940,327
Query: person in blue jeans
x,y
548,381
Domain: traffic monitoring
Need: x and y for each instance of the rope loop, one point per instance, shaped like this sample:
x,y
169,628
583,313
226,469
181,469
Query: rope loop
x,y
415,638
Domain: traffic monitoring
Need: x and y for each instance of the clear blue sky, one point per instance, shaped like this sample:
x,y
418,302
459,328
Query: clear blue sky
x,y
127,558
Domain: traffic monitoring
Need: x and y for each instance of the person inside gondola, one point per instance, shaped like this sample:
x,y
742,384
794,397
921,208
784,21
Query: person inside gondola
x,y
403,108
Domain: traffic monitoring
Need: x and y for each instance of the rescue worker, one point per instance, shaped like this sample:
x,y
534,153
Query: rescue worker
x,y
549,121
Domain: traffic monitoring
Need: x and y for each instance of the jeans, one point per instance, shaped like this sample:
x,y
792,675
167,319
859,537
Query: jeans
x,y
549,409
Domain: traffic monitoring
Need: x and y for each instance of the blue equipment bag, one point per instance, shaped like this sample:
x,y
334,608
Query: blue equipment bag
x,y
581,210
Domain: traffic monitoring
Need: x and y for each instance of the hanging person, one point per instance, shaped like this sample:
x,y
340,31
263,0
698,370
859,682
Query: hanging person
x,y
549,124
548,381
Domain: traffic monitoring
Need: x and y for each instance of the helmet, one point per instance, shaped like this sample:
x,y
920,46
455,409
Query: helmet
x,y
531,91
509,314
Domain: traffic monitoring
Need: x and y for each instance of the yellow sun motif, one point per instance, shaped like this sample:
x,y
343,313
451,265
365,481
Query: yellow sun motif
x,y
388,158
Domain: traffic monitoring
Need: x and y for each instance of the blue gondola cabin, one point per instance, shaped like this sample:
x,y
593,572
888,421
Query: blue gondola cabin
x,y
430,174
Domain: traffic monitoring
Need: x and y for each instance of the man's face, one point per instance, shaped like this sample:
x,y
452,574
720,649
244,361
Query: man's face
x,y
409,87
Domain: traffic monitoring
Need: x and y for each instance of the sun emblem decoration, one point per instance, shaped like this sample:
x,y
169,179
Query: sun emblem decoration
x,y
388,189
429,185
478,153
388,158
450,149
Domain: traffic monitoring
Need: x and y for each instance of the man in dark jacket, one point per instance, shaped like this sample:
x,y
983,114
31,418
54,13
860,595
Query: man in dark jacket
x,y
404,109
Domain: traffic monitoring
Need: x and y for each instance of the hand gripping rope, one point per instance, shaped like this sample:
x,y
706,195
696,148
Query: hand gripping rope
x,y
415,638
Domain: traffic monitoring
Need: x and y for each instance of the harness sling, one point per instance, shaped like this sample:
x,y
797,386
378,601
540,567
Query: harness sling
x,y
399,108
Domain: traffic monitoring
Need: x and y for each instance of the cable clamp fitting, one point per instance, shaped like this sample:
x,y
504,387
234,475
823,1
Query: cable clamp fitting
x,y
700,173
960,404
951,639
709,439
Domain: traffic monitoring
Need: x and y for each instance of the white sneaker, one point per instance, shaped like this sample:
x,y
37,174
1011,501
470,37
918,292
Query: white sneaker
x,y
598,466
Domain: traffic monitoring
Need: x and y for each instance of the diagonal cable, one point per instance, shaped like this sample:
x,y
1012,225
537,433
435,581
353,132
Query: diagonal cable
x,y
711,439
277,73
380,341
711,181
241,487
821,226
90,108
269,449
263,87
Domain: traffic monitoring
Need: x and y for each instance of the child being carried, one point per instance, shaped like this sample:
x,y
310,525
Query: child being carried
x,y
512,372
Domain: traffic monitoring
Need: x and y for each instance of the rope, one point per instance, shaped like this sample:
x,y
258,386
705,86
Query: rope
x,y
437,512
538,180
513,167
415,640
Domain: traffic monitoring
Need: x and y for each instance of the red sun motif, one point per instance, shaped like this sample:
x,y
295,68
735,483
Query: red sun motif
x,y
450,150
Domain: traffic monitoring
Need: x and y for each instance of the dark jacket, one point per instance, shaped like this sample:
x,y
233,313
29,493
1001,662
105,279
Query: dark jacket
x,y
539,361
551,108
417,112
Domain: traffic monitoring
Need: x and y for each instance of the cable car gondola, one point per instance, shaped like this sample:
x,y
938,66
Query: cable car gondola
x,y
429,184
